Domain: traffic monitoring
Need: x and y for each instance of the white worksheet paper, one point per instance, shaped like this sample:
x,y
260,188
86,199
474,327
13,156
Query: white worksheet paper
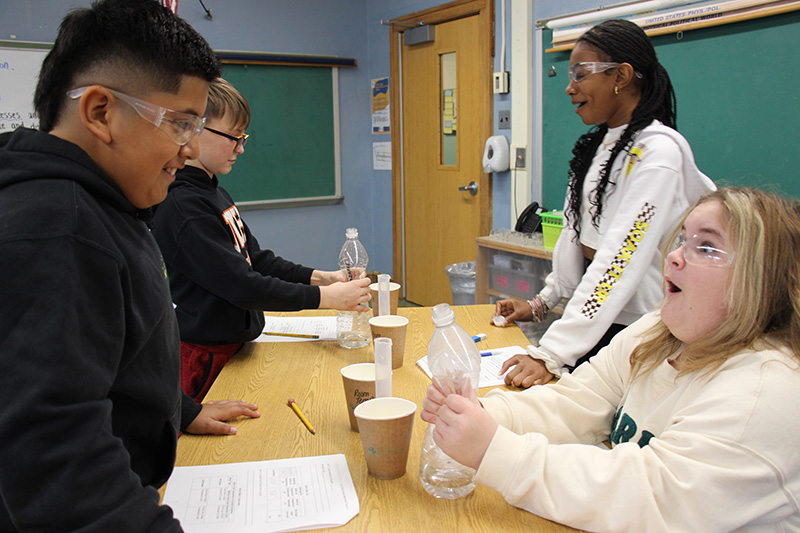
x,y
490,365
263,496
324,326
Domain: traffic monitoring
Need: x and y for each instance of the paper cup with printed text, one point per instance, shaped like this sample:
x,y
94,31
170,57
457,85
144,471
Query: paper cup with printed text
x,y
359,386
385,425
393,327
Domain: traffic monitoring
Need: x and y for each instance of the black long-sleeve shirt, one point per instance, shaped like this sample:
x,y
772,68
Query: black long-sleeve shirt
x,y
89,348
221,280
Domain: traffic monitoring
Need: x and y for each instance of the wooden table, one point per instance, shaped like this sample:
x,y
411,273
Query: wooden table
x,y
269,373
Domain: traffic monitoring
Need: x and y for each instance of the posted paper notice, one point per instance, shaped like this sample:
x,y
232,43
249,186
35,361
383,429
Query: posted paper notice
x,y
382,156
381,117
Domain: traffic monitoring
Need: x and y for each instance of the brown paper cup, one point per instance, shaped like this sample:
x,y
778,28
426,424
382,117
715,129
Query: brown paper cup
x,y
385,425
359,386
394,327
394,297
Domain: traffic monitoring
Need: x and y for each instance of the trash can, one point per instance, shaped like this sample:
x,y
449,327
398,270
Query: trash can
x,y
462,282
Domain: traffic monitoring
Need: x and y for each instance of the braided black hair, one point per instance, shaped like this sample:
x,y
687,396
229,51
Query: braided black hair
x,y
623,42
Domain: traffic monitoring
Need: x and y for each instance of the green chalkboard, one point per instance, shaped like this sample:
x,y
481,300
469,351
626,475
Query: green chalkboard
x,y
291,157
738,104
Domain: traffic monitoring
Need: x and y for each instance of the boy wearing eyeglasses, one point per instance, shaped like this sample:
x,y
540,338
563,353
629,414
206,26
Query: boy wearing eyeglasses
x,y
89,345
221,280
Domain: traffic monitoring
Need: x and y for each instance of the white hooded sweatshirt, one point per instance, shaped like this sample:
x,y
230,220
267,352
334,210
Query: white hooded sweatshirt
x,y
655,182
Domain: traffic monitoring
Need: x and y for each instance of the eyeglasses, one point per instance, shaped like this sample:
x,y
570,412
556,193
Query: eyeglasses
x,y
180,127
698,251
241,140
578,71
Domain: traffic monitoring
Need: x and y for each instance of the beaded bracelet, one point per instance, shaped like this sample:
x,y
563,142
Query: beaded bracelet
x,y
538,308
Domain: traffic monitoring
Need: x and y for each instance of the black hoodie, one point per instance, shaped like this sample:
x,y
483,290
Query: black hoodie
x,y
90,405
221,280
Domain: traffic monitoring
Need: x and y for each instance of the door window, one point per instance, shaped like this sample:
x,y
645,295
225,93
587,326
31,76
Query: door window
x,y
449,124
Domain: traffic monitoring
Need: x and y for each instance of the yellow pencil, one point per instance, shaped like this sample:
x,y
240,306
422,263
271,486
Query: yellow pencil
x,y
301,416
299,335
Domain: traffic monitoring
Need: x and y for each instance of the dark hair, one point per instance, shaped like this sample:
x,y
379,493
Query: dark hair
x,y
126,43
621,41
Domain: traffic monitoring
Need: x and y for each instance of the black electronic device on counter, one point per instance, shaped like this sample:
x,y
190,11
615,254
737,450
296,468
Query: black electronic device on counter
x,y
530,221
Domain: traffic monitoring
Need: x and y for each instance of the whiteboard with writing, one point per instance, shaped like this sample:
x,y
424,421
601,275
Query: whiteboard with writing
x,y
19,73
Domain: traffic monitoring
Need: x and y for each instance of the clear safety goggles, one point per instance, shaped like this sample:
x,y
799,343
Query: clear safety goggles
x,y
180,127
698,250
578,71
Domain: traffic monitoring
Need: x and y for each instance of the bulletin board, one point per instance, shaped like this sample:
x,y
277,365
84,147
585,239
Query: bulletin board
x,y
738,104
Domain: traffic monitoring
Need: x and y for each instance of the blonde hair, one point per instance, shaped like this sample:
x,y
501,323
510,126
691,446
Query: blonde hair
x,y
225,101
763,298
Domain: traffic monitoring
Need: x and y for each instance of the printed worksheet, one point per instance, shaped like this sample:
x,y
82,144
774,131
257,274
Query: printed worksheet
x,y
298,329
490,365
263,496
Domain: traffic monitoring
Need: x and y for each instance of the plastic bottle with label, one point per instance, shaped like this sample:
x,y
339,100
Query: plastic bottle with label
x,y
352,327
453,360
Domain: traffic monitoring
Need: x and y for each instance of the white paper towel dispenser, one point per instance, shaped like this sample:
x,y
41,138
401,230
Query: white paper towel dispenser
x,y
495,155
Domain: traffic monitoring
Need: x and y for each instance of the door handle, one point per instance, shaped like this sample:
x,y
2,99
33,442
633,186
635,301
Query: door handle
x,y
472,188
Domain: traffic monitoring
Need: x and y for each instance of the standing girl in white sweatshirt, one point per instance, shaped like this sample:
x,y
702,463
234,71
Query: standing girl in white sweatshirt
x,y
632,178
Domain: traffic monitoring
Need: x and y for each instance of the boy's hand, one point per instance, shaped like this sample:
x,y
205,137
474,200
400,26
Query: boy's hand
x,y
213,415
513,310
355,273
346,296
329,277
527,372
464,429
326,277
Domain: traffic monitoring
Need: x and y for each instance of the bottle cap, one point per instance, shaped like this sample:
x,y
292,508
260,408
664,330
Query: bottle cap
x,y
351,233
442,315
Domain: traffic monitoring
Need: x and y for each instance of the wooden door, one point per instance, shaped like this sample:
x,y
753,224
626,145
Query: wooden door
x,y
446,118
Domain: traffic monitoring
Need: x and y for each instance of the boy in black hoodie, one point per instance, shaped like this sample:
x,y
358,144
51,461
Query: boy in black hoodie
x,y
221,280
89,350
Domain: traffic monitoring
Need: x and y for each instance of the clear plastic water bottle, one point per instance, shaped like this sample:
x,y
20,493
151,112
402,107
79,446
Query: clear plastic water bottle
x,y
453,360
352,327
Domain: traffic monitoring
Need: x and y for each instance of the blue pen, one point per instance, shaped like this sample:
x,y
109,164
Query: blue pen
x,y
486,354
479,337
